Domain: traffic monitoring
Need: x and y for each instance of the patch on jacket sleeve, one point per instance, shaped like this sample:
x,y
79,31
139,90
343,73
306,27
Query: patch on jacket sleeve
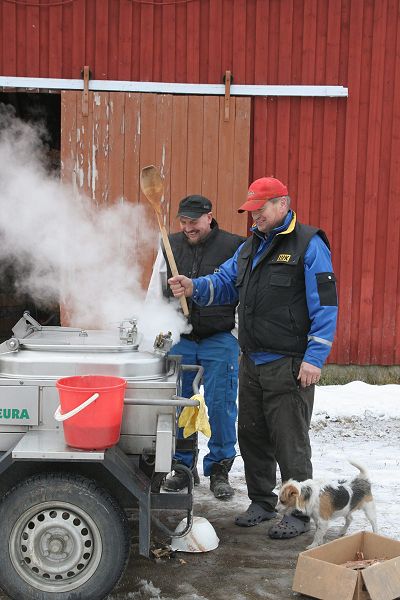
x,y
326,283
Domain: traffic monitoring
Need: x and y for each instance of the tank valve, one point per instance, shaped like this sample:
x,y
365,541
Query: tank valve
x,y
163,343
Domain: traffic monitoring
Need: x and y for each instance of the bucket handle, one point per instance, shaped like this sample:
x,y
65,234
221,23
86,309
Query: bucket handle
x,y
63,417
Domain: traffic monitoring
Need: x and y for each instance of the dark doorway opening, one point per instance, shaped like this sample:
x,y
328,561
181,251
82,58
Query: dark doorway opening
x,y
44,108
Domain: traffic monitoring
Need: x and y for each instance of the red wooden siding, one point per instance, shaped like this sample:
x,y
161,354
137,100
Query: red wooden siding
x,y
340,157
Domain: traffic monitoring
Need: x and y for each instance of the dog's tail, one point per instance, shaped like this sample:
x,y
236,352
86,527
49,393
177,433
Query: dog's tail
x,y
360,467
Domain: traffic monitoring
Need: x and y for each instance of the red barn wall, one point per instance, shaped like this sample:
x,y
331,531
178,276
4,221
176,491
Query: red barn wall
x,y
340,157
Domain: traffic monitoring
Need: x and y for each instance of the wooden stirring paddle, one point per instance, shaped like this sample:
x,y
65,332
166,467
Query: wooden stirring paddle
x,y
152,187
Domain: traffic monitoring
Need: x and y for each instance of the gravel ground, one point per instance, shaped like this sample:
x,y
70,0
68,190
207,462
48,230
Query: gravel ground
x,y
248,565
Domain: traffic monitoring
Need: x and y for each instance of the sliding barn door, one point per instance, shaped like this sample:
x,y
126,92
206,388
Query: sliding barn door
x,y
186,137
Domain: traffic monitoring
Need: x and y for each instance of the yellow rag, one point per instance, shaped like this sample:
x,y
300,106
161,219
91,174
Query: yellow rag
x,y
194,418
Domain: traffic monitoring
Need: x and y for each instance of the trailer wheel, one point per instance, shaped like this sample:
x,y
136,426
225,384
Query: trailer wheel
x,y
62,537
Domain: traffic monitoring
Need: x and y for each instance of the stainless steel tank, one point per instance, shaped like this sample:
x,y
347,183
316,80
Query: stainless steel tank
x,y
36,357
65,532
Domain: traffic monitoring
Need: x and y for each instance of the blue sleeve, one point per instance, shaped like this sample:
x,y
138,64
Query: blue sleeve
x,y
220,287
323,318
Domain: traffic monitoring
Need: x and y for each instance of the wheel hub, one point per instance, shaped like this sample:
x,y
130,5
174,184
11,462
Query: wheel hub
x,y
54,545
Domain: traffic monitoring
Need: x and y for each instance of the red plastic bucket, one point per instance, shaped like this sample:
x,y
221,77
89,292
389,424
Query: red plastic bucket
x,y
91,410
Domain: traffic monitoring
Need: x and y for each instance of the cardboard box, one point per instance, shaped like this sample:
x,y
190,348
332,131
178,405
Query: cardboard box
x,y
320,572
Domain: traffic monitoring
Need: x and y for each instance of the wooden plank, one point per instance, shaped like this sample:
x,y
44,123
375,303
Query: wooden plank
x,y
132,137
164,151
20,28
320,50
215,67
148,104
116,145
179,144
195,144
306,113
100,67
69,101
181,45
193,42
136,50
346,273
273,35
67,15
327,159
112,35
125,39
339,216
84,125
260,138
226,38
204,40
250,43
305,158
209,183
146,32
297,44
316,200
329,153
285,50
68,149
294,140
283,145
391,291
383,341
9,38
241,164
100,148
239,41
376,83
223,208
168,43
158,45
55,41
309,40
272,137
77,47
32,41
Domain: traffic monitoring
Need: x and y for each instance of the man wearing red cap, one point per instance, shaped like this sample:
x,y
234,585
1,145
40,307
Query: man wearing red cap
x,y
283,278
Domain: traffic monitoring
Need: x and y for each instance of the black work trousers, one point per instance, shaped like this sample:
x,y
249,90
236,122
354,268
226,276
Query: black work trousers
x,y
273,426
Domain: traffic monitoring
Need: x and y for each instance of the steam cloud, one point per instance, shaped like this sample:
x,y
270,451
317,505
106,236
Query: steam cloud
x,y
66,250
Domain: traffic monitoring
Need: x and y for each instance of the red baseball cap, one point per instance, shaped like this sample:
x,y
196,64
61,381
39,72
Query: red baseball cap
x,y
262,190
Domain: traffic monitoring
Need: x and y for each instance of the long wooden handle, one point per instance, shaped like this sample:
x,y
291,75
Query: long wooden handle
x,y
171,261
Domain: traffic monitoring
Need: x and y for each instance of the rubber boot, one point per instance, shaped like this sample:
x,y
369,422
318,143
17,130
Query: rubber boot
x,y
179,481
219,480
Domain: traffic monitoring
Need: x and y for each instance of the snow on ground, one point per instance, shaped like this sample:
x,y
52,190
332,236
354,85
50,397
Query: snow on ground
x,y
356,421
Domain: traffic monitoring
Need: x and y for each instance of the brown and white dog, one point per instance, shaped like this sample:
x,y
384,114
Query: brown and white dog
x,y
326,501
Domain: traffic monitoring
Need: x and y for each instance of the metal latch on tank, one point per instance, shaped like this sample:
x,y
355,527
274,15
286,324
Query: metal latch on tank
x,y
128,331
163,343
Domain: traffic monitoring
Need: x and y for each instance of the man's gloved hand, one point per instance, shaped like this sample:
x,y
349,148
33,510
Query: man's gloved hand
x,y
194,418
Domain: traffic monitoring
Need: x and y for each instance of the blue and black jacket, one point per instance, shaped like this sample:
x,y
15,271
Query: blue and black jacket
x,y
286,290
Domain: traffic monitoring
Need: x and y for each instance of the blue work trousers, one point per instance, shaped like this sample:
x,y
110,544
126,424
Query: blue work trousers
x,y
219,355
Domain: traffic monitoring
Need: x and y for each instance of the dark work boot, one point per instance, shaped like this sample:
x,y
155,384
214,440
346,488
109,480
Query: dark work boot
x,y
219,481
179,481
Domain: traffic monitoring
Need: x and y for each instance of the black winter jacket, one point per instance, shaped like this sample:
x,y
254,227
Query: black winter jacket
x,y
204,258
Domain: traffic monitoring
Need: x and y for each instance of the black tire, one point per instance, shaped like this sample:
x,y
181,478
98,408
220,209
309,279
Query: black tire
x,y
62,538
